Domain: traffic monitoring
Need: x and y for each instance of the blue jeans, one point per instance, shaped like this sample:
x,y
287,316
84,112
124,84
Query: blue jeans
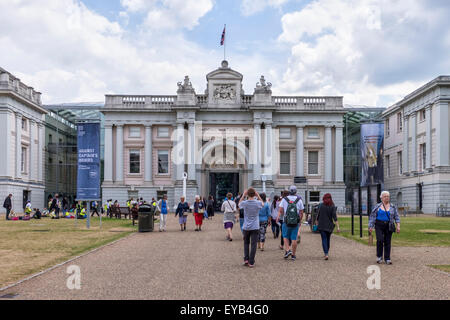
x,y
325,241
241,222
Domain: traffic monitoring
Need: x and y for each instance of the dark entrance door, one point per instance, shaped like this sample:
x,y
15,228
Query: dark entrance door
x,y
26,197
220,183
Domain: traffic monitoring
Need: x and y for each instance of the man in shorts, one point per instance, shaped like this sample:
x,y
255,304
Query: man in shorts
x,y
290,232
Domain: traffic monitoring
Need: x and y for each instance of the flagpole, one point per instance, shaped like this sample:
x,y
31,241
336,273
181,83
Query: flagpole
x,y
224,41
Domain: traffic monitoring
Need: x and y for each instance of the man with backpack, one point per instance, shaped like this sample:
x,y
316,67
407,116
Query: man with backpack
x,y
292,208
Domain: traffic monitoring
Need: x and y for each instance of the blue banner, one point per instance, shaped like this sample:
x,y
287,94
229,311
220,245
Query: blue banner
x,y
88,178
372,139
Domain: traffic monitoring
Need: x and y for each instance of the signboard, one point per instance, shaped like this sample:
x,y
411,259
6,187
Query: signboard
x,y
364,200
299,179
88,177
372,136
356,201
373,197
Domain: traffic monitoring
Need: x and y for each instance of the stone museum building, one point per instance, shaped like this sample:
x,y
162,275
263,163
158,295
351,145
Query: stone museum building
x,y
21,142
417,151
224,140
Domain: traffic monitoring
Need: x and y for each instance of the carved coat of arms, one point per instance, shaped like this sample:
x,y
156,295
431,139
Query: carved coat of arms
x,y
224,92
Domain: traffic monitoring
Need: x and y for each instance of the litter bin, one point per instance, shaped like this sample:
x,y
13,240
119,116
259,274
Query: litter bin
x,y
145,218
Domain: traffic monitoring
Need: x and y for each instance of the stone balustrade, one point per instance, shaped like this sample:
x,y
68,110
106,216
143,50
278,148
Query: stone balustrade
x,y
280,102
9,82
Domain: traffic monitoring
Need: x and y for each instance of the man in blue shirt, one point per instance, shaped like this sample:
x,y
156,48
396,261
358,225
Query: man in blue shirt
x,y
163,209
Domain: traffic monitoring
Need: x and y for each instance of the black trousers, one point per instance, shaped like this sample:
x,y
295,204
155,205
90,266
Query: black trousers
x,y
8,211
94,211
250,239
384,237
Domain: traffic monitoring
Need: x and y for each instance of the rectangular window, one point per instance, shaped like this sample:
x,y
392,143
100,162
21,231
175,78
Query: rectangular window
x,y
135,161
388,130
135,132
313,133
314,196
313,162
50,138
400,163
422,116
399,122
423,155
163,161
163,132
24,124
285,133
23,162
388,166
285,162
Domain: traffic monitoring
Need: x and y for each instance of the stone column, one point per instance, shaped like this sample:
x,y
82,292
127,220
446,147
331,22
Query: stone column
x,y
268,150
405,151
256,151
179,154
119,153
339,155
414,142
31,172
428,137
299,172
108,164
6,166
442,134
41,140
18,145
328,155
191,148
148,154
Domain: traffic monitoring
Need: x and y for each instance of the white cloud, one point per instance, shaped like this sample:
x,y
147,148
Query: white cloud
x,y
71,53
370,51
250,7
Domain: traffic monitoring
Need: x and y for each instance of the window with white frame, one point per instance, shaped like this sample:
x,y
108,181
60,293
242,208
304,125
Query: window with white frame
x,y
313,162
23,162
135,132
285,133
388,129
399,122
163,132
135,161
285,162
313,133
24,124
163,161
400,163
422,115
388,166
423,156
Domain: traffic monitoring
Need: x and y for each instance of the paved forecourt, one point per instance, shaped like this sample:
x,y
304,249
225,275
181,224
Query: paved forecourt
x,y
203,265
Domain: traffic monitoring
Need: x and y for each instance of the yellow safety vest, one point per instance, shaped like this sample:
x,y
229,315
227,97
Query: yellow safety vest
x,y
129,204
83,212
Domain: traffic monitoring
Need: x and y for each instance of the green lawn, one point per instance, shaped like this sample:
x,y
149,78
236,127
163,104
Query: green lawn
x,y
425,231
27,247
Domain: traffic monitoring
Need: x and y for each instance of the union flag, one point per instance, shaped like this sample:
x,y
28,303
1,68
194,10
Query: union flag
x,y
222,40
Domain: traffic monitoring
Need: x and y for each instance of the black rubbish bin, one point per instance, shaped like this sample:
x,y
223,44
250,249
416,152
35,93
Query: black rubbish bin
x,y
314,213
145,218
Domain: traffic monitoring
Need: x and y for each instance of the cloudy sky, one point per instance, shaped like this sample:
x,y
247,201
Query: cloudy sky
x,y
373,52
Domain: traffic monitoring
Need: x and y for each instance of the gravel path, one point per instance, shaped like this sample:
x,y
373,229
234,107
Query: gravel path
x,y
202,265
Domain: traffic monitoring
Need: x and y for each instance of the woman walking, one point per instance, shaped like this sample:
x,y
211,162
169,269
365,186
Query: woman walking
x,y
264,215
325,224
251,209
199,210
382,218
181,211
210,206
274,208
229,215
284,194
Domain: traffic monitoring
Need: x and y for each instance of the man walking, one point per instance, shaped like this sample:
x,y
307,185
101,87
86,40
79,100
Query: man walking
x,y
8,205
292,208
162,207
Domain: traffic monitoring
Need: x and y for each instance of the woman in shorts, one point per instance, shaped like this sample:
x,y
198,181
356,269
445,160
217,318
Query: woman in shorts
x,y
229,215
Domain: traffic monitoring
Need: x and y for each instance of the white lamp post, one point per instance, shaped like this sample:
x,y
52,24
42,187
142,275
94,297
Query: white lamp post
x,y
263,179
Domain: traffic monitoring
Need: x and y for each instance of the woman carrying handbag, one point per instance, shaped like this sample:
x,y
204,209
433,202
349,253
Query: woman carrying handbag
x,y
199,210
325,224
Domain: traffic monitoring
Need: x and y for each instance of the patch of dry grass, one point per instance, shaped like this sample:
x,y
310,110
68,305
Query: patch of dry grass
x,y
27,247
444,267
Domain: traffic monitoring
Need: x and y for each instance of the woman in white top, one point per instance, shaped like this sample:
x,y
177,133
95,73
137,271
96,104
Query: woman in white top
x,y
229,215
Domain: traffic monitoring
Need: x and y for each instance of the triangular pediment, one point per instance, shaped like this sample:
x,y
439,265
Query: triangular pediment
x,y
224,73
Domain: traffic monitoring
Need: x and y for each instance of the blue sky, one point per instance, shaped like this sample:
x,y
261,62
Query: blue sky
x,y
372,52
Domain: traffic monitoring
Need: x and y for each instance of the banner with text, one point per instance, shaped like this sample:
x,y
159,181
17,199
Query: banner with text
x,y
372,136
88,178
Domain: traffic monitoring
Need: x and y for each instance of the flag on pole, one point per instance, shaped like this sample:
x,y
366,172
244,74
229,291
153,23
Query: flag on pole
x,y
222,40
